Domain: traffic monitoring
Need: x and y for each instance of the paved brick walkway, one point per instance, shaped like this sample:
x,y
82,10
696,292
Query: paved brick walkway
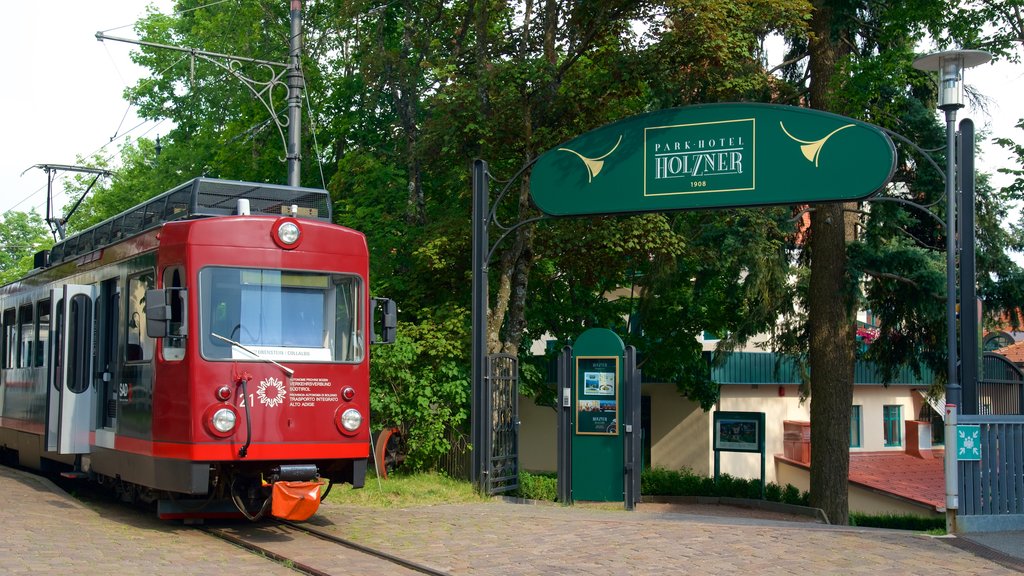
x,y
47,532
503,539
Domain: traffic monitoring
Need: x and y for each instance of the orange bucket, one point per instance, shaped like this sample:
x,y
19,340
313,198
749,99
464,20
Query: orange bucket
x,y
295,500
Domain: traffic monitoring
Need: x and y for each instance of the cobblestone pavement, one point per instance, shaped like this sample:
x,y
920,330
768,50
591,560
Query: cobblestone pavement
x,y
503,539
45,531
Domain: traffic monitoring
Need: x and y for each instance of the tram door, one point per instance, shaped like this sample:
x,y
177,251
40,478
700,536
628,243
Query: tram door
x,y
71,393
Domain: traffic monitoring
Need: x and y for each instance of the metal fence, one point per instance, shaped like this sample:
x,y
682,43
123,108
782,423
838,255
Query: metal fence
x,y
992,488
456,462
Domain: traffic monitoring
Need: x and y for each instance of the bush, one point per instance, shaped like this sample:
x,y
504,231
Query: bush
x,y
538,486
898,522
663,482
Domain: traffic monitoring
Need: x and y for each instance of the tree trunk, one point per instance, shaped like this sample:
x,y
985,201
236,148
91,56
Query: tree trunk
x,y
831,325
514,270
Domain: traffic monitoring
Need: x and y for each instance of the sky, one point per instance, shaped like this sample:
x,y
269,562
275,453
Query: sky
x,y
64,95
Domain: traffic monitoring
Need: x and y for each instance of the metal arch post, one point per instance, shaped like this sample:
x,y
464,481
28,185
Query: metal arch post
x,y
970,350
482,215
922,151
953,389
912,204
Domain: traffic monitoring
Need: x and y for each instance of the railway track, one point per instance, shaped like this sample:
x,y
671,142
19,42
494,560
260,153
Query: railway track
x,y
312,551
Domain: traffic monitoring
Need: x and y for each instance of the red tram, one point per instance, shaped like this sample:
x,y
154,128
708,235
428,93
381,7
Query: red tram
x,y
205,348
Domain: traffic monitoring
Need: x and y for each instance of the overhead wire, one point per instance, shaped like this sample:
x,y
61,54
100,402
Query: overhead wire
x,y
117,132
313,130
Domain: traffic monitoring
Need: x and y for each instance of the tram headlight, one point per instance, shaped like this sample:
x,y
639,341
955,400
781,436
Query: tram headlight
x,y
223,420
287,233
220,420
350,420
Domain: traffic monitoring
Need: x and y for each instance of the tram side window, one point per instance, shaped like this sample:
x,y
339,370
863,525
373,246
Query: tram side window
x,y
10,337
26,336
40,350
139,347
174,342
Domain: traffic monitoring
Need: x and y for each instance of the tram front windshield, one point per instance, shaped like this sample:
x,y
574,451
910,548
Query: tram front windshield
x,y
280,315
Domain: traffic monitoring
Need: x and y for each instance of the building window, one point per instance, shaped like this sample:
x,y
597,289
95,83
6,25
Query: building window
x,y
892,425
855,427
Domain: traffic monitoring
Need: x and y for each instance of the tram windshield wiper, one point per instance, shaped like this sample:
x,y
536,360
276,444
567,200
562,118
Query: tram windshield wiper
x,y
255,354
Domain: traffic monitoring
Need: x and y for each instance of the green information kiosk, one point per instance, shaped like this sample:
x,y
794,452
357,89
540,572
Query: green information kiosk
x,y
596,424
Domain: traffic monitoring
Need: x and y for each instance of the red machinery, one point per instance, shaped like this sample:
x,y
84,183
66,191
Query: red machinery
x,y
209,346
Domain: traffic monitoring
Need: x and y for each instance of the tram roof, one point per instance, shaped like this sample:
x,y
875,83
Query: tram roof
x,y
200,197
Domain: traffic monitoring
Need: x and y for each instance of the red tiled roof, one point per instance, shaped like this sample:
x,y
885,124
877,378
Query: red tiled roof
x,y
920,480
899,474
1014,352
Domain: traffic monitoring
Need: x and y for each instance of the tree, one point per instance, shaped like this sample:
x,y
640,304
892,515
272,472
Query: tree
x,y
860,55
22,234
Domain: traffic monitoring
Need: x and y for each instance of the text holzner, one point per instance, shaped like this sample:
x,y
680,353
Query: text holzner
x,y
692,158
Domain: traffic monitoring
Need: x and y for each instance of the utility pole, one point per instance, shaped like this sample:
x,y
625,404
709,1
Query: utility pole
x,y
287,74
295,86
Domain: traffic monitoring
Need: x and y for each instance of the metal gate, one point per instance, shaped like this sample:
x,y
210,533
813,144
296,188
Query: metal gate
x,y
502,436
992,488
1001,389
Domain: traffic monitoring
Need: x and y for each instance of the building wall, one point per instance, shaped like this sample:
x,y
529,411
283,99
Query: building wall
x,y
537,441
681,434
679,430
872,399
785,405
779,403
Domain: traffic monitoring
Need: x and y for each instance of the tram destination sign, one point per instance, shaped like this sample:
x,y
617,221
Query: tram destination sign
x,y
714,156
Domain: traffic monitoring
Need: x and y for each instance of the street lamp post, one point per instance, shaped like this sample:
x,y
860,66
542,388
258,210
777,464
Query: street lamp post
x,y
950,66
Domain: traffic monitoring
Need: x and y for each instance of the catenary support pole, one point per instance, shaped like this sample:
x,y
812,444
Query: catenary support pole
x,y
295,86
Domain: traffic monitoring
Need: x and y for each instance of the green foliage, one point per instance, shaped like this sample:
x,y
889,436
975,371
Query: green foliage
x,y
543,487
421,385
985,25
898,522
22,234
664,482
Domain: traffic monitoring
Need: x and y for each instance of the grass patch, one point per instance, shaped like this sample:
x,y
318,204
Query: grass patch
x,y
403,491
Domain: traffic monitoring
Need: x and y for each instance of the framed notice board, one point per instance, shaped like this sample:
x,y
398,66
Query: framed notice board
x,y
739,431
597,395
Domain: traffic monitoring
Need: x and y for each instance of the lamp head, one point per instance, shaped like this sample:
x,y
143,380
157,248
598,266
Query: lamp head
x,y
951,65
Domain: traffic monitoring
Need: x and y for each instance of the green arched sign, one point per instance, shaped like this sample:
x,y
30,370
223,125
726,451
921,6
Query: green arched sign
x,y
714,156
